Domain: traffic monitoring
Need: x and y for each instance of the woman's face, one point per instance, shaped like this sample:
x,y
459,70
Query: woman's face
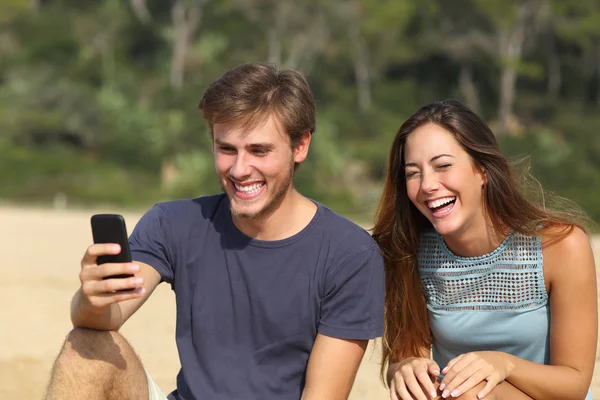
x,y
442,181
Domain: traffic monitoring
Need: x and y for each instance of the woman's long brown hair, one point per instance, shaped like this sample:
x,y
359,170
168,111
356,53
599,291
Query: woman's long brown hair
x,y
398,223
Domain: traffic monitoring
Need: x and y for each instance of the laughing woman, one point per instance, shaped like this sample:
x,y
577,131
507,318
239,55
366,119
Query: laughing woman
x,y
488,294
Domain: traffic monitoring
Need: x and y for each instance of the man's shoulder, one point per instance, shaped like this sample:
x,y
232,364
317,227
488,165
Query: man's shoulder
x,y
346,234
204,207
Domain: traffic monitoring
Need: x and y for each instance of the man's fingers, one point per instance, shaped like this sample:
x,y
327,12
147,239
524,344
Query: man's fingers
x,y
98,272
106,299
95,288
99,249
117,284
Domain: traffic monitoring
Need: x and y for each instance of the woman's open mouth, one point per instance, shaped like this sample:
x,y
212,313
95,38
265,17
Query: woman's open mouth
x,y
442,206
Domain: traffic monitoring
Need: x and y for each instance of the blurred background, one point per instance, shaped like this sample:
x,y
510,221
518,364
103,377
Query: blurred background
x,y
98,98
98,112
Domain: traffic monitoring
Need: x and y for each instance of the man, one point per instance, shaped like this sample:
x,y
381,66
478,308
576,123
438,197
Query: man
x,y
277,296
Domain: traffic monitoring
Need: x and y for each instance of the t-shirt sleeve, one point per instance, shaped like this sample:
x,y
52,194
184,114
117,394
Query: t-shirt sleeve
x,y
150,243
352,307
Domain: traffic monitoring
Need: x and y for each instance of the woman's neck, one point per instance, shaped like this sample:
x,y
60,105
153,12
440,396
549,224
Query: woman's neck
x,y
475,242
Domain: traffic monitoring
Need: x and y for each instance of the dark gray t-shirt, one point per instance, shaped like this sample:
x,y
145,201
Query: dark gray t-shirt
x,y
248,311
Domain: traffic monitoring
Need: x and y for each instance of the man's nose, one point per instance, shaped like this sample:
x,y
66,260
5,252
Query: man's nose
x,y
241,168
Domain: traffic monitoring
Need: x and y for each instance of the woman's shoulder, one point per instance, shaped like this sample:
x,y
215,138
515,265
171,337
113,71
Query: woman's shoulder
x,y
564,238
567,253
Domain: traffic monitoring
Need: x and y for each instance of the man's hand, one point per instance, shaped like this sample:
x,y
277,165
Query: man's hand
x,y
99,293
467,370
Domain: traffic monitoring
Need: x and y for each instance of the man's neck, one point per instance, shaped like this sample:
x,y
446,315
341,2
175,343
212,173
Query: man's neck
x,y
288,218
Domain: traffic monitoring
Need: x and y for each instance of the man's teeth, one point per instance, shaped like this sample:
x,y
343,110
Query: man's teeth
x,y
440,202
250,188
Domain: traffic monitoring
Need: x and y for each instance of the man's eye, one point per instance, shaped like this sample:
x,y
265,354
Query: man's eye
x,y
260,152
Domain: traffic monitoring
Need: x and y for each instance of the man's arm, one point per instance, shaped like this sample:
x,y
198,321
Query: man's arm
x,y
332,367
109,311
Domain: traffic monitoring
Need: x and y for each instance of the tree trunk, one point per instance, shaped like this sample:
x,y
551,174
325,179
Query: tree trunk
x,y
186,20
511,50
598,79
554,77
361,68
554,73
140,10
108,62
168,172
468,88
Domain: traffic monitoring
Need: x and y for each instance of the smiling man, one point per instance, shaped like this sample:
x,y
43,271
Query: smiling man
x,y
277,295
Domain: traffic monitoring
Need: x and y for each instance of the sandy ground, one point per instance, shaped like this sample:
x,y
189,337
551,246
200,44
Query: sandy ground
x,y
40,252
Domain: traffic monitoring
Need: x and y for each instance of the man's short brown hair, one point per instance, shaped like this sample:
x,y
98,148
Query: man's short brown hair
x,y
252,92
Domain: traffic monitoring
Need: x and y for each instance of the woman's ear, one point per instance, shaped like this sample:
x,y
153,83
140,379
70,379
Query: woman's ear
x,y
484,177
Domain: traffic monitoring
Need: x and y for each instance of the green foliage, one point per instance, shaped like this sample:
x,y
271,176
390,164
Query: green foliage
x,y
88,107
40,175
564,160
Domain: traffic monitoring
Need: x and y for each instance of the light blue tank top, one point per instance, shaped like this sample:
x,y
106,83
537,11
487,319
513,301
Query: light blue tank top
x,y
497,301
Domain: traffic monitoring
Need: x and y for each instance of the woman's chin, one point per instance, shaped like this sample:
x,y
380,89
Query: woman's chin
x,y
445,227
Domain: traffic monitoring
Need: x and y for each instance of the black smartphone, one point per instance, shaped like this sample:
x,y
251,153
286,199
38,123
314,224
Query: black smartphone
x,y
110,228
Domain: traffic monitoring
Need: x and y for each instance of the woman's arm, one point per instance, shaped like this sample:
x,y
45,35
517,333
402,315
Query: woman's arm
x,y
570,272
570,275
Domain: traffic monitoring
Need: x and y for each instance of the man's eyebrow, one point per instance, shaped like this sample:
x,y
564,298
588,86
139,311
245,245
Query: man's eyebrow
x,y
412,164
268,146
222,143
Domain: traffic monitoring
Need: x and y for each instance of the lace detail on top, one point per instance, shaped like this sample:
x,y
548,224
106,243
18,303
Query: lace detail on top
x,y
510,277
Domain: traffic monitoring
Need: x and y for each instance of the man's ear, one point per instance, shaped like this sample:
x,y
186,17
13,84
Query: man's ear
x,y
301,148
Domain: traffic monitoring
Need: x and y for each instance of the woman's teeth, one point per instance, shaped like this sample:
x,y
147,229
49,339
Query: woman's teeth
x,y
440,202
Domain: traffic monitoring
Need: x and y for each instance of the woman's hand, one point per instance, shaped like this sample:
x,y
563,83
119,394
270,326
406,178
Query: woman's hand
x,y
467,370
412,378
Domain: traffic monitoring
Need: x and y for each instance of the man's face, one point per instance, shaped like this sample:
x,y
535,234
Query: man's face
x,y
255,167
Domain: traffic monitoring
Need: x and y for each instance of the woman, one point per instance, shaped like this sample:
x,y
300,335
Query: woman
x,y
501,292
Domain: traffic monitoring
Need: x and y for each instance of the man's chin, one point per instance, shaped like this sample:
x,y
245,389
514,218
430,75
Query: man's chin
x,y
243,215
245,212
